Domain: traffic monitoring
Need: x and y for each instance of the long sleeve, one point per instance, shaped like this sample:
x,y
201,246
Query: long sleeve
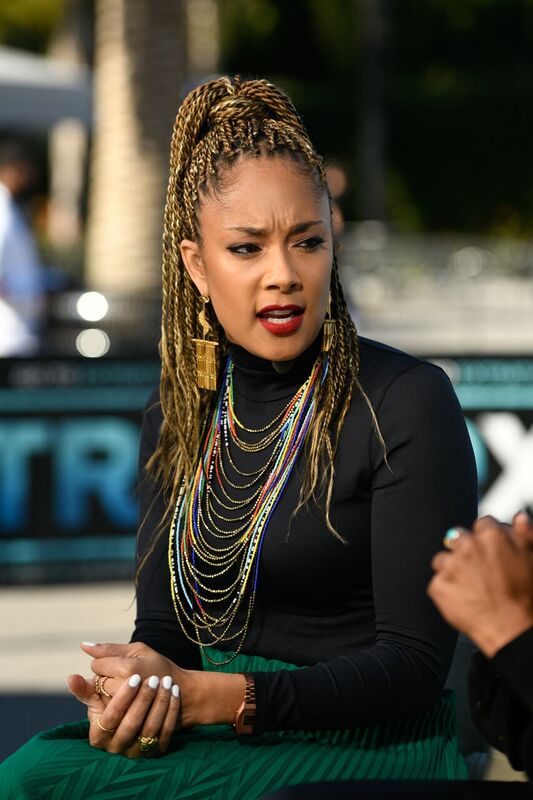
x,y
426,485
156,624
501,699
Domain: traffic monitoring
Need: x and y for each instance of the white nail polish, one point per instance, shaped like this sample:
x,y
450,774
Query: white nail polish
x,y
89,644
153,682
167,682
175,690
134,681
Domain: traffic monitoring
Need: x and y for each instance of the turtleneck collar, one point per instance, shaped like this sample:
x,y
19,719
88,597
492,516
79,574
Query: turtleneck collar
x,y
259,381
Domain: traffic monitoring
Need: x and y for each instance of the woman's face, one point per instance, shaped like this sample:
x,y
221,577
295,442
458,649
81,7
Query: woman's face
x,y
265,256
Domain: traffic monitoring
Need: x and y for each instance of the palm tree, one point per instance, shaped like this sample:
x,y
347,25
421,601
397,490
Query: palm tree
x,y
371,128
140,70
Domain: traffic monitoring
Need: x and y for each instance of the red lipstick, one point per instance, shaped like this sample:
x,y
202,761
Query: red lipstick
x,y
281,320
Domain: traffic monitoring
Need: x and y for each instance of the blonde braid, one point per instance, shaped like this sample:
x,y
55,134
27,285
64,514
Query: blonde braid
x,y
217,123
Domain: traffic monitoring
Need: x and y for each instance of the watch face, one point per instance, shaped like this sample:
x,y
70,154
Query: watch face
x,y
248,719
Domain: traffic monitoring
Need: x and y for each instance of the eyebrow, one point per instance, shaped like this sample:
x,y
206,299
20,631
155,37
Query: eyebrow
x,y
300,227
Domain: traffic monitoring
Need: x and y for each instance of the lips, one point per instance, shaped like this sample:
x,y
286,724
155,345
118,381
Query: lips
x,y
281,320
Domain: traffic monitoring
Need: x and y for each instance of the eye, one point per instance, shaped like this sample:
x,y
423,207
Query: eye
x,y
245,249
312,243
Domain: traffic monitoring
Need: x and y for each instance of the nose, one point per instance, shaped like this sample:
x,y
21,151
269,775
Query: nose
x,y
281,273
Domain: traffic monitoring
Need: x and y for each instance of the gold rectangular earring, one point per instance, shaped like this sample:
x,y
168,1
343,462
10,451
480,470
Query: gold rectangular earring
x,y
329,330
206,354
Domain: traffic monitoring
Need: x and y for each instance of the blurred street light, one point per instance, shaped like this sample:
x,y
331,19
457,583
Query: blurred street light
x,y
92,306
93,343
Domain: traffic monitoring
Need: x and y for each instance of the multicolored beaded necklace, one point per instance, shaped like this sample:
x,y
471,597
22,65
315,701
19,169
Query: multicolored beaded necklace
x,y
197,542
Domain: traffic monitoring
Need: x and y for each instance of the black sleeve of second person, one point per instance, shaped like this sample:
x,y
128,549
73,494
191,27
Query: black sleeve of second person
x,y
501,699
428,485
156,624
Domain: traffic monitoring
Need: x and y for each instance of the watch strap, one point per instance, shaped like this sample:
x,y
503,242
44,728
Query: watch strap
x,y
245,714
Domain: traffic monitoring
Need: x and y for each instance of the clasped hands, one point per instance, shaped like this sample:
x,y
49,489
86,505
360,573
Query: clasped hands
x,y
483,585
150,697
140,709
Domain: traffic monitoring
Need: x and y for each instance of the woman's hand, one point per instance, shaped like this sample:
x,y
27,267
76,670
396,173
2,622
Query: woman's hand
x,y
118,661
484,586
206,698
139,710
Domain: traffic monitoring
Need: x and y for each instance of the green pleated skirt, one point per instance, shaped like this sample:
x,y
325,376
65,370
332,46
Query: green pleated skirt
x,y
212,762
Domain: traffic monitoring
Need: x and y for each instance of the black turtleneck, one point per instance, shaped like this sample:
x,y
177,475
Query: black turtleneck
x,y
355,615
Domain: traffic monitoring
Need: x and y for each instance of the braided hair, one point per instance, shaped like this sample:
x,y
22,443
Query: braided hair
x,y
217,123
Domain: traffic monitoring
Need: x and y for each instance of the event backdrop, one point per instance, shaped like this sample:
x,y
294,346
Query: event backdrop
x,y
69,434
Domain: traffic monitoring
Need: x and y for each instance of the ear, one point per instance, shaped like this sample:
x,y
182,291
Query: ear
x,y
192,258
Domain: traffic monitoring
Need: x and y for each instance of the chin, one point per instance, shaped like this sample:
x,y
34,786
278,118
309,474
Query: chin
x,y
282,348
275,348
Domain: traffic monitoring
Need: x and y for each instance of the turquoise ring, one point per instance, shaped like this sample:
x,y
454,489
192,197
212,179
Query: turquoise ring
x,y
451,537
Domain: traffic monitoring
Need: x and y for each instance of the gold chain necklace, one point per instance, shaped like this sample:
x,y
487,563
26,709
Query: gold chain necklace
x,y
201,552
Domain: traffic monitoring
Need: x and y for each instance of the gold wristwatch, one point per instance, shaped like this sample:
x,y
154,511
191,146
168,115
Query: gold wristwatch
x,y
245,716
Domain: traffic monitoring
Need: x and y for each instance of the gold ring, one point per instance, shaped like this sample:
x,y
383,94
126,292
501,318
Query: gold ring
x,y
103,690
102,727
148,744
99,686
451,537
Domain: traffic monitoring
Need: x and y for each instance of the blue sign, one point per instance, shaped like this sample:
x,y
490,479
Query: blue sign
x,y
69,441
497,397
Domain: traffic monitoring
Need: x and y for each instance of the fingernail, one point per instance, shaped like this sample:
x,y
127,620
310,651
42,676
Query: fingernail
x,y
134,681
175,690
153,682
89,644
452,533
167,682
451,536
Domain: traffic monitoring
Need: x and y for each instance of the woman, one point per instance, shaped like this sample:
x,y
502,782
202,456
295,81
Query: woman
x,y
299,470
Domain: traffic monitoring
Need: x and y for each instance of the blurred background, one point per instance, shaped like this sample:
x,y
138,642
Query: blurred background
x,y
424,113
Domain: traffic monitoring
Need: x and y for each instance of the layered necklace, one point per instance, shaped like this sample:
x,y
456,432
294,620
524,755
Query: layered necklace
x,y
219,524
